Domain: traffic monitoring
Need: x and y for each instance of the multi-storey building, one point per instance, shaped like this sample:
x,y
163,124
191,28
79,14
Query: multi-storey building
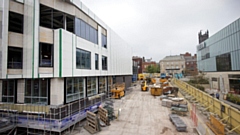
x,y
55,56
218,57
172,65
139,63
190,64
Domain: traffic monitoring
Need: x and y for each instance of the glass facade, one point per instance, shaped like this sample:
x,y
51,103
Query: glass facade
x,y
75,88
221,52
102,85
8,91
36,91
91,86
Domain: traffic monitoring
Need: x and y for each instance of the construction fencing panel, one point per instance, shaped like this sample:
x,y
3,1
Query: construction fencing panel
x,y
228,114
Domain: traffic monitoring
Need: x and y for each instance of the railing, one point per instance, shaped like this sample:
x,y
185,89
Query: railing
x,y
226,113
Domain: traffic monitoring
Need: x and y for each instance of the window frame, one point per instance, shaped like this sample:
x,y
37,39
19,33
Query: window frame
x,y
104,67
40,55
8,95
31,97
81,56
96,61
17,49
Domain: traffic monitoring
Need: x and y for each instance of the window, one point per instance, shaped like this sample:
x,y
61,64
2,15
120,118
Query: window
x,y
83,59
36,91
91,86
223,62
15,58
83,29
8,91
45,55
96,61
102,85
15,22
70,23
74,89
58,19
46,16
54,19
104,63
104,41
110,81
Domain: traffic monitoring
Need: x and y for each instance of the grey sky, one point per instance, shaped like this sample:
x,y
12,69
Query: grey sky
x,y
158,28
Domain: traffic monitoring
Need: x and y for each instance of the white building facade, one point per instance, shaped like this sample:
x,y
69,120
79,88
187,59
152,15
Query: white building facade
x,y
54,52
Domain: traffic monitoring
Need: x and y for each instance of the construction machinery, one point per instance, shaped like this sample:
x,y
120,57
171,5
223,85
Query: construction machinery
x,y
144,86
140,77
118,90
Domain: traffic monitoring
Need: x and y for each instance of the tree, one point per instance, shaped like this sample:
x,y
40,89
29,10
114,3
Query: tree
x,y
153,69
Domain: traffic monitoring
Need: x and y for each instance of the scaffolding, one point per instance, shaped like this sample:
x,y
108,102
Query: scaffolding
x,y
39,119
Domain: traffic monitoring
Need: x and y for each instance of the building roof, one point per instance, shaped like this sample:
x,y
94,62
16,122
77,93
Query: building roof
x,y
173,58
190,58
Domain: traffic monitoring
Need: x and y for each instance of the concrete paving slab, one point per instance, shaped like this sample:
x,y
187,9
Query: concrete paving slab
x,y
142,114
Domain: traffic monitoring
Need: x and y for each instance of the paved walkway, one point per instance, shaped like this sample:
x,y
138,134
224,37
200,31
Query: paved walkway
x,y
142,114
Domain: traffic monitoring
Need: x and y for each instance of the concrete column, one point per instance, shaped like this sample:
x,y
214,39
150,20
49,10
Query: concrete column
x,y
20,91
57,91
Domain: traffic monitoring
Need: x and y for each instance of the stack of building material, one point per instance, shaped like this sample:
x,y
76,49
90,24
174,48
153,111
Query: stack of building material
x,y
179,109
178,123
110,109
167,103
163,97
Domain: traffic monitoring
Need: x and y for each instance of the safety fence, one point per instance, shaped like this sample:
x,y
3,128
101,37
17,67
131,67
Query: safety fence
x,y
226,115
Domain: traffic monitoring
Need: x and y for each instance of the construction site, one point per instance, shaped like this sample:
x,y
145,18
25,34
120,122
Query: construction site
x,y
159,106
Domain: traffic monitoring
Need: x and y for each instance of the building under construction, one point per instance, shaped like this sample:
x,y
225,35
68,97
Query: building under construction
x,y
57,61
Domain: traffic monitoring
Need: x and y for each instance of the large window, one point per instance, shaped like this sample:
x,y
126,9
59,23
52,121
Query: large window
x,y
96,61
45,55
83,59
104,41
15,58
224,62
102,85
15,22
8,91
54,19
86,31
104,63
36,91
91,86
74,89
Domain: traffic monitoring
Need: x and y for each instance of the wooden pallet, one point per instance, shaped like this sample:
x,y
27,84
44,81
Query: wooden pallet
x,y
103,115
92,125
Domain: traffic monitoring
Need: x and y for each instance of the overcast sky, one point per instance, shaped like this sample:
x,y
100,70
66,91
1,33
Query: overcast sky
x,y
158,28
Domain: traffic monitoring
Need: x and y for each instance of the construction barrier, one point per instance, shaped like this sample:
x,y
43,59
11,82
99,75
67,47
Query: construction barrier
x,y
227,114
216,126
194,115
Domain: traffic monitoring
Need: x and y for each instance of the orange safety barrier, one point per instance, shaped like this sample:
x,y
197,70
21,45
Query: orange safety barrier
x,y
216,126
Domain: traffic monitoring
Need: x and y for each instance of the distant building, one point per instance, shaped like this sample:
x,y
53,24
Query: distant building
x,y
139,63
202,37
190,64
172,65
148,63
219,58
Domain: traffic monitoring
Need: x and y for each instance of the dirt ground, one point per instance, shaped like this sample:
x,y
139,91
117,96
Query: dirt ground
x,y
142,114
